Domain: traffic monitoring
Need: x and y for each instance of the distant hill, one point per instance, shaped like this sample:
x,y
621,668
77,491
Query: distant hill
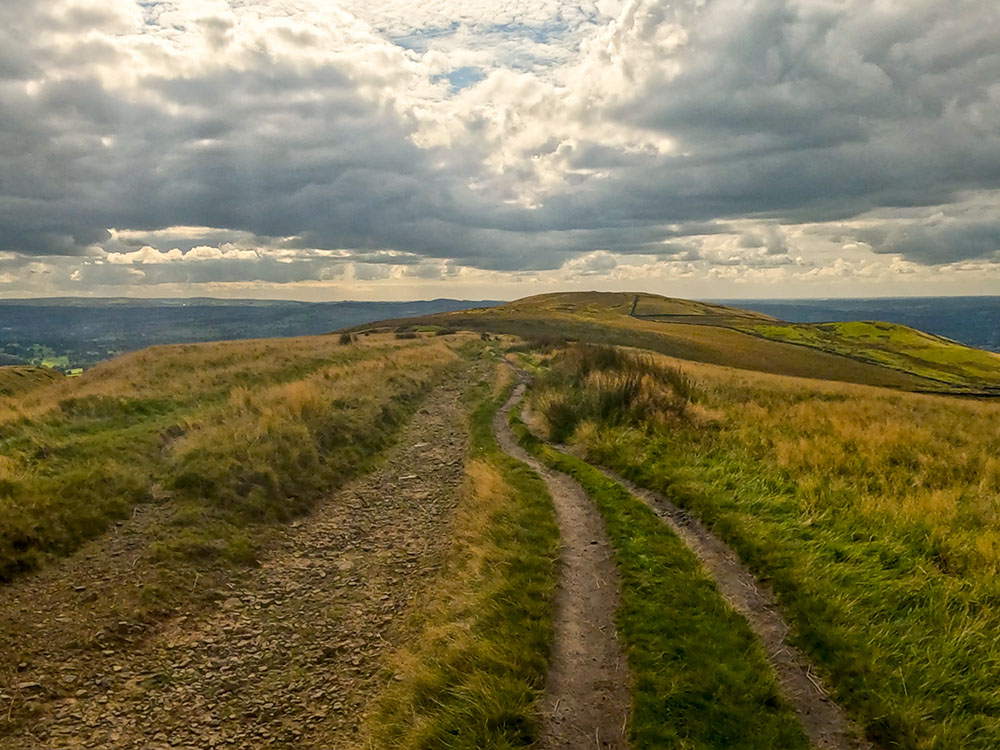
x,y
890,355
70,332
975,321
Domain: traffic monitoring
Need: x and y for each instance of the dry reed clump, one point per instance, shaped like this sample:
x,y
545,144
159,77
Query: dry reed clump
x,y
610,385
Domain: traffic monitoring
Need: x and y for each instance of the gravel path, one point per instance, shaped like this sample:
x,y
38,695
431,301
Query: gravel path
x,y
586,702
290,655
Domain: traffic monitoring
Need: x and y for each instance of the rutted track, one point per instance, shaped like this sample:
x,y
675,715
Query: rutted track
x,y
586,700
824,722
292,654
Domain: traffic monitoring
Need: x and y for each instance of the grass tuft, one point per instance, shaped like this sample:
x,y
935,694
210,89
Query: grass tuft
x,y
596,382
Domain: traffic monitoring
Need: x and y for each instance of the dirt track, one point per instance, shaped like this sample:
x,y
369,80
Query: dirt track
x,y
289,656
586,703
824,722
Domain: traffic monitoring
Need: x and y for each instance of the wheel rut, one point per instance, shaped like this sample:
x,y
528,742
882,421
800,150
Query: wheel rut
x,y
586,702
824,721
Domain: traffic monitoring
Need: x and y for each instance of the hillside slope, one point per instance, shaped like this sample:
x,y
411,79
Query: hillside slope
x,y
334,542
896,346
16,380
731,337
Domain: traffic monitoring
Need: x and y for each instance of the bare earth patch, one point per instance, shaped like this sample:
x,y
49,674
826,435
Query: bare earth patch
x,y
290,655
586,703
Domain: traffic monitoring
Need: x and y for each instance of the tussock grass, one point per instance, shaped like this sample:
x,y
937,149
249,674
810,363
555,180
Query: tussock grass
x,y
472,677
701,680
267,454
609,384
875,516
236,433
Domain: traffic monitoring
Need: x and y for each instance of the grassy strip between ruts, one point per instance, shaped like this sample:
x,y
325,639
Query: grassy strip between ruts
x,y
701,678
872,515
473,676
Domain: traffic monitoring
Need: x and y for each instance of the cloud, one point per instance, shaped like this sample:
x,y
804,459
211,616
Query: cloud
x,y
937,240
157,142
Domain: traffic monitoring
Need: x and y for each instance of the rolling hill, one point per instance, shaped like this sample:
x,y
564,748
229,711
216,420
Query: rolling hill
x,y
873,354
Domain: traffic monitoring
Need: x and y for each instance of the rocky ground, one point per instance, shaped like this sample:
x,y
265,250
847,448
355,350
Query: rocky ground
x,y
287,656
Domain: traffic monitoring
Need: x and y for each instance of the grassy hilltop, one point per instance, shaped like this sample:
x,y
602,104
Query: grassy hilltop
x,y
143,500
880,354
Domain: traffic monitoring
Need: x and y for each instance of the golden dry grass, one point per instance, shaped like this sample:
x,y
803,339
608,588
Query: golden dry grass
x,y
470,677
899,458
235,432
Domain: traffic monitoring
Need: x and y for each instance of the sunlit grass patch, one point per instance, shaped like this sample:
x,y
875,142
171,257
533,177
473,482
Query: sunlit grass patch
x,y
896,346
700,677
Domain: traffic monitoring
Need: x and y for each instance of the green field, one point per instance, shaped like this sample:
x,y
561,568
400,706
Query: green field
x,y
895,346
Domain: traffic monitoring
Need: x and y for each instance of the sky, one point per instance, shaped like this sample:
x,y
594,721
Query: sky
x,y
492,149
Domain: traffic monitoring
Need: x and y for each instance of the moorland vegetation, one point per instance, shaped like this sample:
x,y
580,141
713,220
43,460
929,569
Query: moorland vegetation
x,y
872,513
229,435
869,505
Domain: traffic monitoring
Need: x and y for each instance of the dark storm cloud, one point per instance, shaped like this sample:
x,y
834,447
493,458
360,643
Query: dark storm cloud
x,y
781,111
810,112
938,242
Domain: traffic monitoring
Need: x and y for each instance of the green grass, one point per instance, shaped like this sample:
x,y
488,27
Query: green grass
x,y
912,651
701,680
895,346
678,328
472,677
872,515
